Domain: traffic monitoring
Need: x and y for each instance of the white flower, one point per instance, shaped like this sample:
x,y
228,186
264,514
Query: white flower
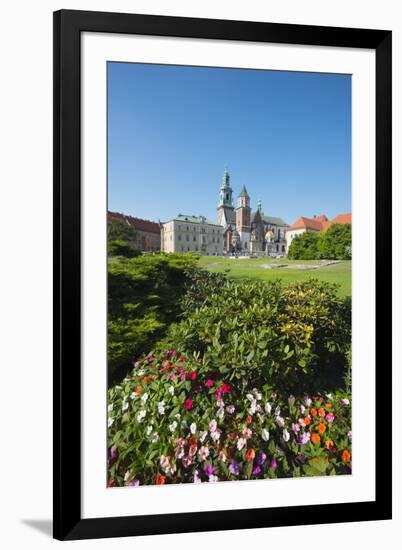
x,y
193,428
277,411
161,407
109,408
124,406
177,416
268,408
285,435
253,408
216,435
141,372
302,409
220,413
173,426
230,409
127,475
212,479
265,434
250,397
110,421
171,390
154,438
144,397
148,430
203,435
220,403
241,443
141,415
257,394
133,395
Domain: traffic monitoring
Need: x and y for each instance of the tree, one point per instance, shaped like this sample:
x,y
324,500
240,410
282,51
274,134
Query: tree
x,y
336,242
304,247
121,238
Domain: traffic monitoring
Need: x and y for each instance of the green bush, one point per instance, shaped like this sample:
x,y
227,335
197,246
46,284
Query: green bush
x,y
304,247
336,242
143,299
294,337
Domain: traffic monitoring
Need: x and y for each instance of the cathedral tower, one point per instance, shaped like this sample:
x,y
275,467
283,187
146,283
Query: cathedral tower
x,y
225,206
243,217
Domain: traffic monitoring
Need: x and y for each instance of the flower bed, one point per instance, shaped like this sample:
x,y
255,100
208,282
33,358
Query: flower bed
x,y
176,420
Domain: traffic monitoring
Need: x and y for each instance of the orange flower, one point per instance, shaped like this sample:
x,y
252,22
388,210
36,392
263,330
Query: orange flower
x,y
315,438
160,480
193,440
321,412
138,390
346,456
328,405
313,412
250,455
329,444
249,419
307,421
321,428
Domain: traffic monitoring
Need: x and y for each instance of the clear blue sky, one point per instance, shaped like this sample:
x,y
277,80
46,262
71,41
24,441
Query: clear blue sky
x,y
173,130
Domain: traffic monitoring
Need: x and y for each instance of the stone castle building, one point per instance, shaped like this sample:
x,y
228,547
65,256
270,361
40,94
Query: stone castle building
x,y
147,233
192,234
245,231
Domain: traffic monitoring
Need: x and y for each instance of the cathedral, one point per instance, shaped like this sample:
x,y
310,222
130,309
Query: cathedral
x,y
248,232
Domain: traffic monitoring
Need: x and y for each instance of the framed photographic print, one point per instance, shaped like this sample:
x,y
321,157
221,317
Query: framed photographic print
x,y
222,274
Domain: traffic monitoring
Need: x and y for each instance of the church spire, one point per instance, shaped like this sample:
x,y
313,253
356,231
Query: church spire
x,y
225,194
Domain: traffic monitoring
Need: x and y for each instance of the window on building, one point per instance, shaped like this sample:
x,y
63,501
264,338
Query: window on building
x,y
283,248
213,239
217,240
187,238
179,237
194,238
203,239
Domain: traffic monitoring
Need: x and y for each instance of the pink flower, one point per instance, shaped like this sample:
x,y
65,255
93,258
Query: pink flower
x,y
203,453
209,383
330,417
212,426
241,442
172,376
188,404
218,394
186,461
183,376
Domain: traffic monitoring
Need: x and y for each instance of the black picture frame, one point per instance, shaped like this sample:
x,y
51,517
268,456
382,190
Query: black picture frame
x,y
68,26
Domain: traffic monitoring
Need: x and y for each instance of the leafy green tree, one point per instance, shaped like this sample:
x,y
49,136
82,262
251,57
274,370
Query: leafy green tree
x,y
336,242
118,230
304,247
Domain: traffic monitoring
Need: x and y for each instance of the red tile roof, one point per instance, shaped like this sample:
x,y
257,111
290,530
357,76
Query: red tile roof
x,y
320,223
137,223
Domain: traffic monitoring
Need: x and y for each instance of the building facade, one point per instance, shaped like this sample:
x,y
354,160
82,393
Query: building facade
x,y
314,225
247,232
192,234
147,233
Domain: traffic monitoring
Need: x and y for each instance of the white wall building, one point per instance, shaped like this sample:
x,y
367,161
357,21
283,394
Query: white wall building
x,y
192,234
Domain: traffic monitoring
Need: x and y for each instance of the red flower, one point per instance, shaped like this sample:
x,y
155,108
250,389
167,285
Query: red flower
x,y
160,480
249,419
182,358
188,404
225,388
250,454
193,375
110,483
209,383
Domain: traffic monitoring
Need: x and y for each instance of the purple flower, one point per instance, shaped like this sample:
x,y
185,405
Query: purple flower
x,y
295,427
273,464
134,483
112,453
305,438
197,478
209,470
261,458
234,468
256,471
330,417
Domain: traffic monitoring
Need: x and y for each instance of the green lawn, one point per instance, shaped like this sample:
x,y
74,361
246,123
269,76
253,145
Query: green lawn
x,y
256,268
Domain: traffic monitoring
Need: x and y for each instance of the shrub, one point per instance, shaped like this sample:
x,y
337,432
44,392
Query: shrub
x,y
174,421
294,337
143,299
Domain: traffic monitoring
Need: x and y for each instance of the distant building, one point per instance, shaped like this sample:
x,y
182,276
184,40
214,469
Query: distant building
x,y
314,225
147,233
192,234
245,231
